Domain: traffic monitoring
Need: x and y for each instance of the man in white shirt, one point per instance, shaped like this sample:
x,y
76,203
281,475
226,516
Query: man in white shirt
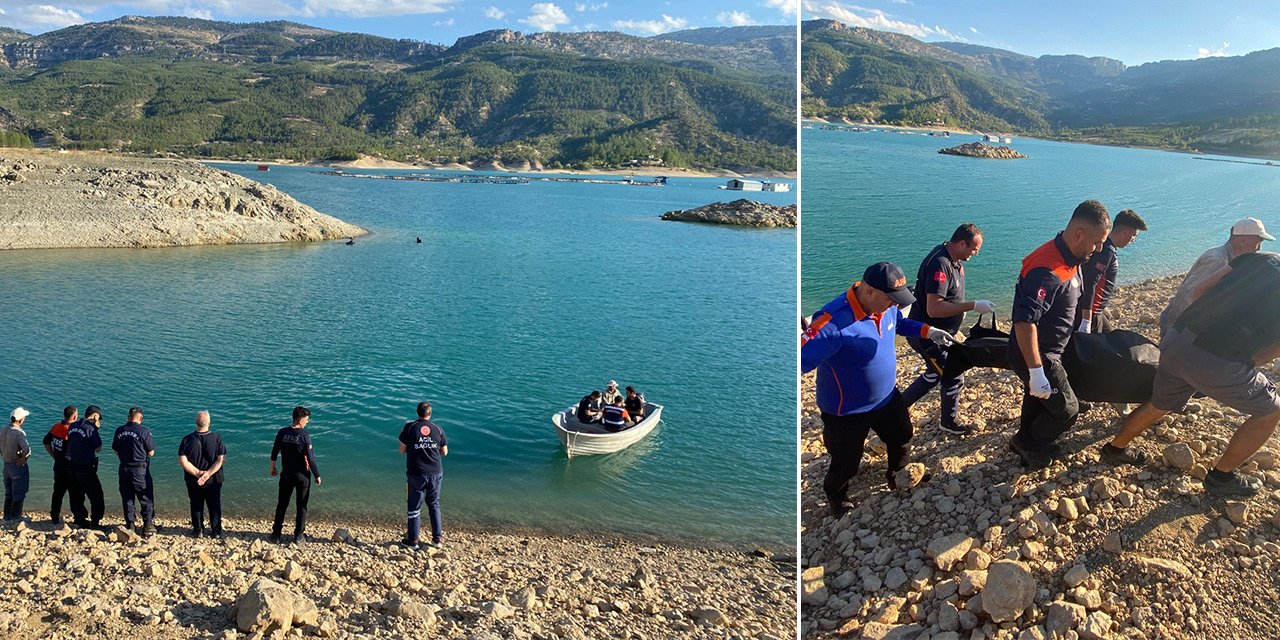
x,y
1246,237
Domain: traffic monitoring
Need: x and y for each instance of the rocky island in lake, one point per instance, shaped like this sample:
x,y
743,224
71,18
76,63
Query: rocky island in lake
x,y
68,200
980,150
741,212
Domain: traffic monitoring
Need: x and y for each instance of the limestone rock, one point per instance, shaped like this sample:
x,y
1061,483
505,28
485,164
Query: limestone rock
x,y
1010,590
813,586
1179,456
1076,575
1063,617
1096,627
909,475
1237,512
948,550
980,150
741,212
268,606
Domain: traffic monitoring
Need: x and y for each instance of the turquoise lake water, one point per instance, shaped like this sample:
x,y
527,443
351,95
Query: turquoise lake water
x,y
520,300
890,196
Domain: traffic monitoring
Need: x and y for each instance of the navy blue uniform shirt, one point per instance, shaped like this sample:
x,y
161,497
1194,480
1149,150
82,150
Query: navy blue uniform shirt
x,y
295,446
83,442
423,440
941,276
1046,296
1098,279
132,442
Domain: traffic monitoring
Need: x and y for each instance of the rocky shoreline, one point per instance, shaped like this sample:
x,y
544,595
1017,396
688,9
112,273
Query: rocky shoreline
x,y
73,200
980,150
1078,550
741,212
356,581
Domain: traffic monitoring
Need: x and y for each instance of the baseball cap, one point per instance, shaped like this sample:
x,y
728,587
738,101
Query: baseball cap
x,y
19,414
889,278
613,383
1251,227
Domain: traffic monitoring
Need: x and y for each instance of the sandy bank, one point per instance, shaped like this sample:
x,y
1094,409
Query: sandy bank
x,y
80,584
370,162
1139,553
65,200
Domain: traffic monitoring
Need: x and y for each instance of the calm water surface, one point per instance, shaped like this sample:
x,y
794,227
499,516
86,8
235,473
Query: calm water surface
x,y
891,196
519,300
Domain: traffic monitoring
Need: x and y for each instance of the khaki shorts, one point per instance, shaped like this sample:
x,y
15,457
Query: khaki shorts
x,y
1186,368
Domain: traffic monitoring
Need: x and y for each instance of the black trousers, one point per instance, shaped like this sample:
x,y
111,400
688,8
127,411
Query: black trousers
x,y
85,484
135,484
298,483
935,359
61,486
1043,421
845,436
210,496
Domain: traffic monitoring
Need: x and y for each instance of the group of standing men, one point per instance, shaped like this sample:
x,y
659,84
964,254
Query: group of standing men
x,y
1217,330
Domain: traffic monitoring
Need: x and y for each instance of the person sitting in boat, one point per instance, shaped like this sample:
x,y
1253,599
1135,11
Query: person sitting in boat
x,y
615,416
590,408
634,404
611,392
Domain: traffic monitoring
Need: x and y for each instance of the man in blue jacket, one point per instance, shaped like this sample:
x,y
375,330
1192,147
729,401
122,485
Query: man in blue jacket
x,y
851,343
135,447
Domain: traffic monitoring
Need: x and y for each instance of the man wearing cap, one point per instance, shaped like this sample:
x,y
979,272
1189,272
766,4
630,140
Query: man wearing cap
x,y
1216,347
1098,273
851,343
1246,237
55,443
1044,311
611,393
424,444
134,445
940,282
17,476
81,451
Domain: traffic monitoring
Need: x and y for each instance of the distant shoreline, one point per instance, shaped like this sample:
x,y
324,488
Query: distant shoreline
x,y
369,162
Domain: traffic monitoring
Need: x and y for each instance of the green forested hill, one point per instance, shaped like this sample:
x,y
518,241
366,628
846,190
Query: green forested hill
x,y
287,90
1225,105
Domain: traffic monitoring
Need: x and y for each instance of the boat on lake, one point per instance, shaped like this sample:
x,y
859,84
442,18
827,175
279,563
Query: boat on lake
x,y
581,439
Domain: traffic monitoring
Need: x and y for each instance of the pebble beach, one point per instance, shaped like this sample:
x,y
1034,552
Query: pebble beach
x,y
1078,550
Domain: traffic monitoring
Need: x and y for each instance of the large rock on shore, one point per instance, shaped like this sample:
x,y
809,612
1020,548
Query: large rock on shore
x,y
268,606
67,200
741,212
980,150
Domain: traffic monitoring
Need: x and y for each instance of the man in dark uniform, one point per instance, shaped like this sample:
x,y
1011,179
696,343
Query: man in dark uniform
x,y
634,404
1044,308
1098,273
1218,347
134,445
294,444
614,417
55,443
851,344
201,454
589,408
940,303
424,443
82,447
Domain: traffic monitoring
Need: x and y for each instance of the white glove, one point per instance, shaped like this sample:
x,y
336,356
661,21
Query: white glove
x,y
1085,325
941,337
984,306
1038,385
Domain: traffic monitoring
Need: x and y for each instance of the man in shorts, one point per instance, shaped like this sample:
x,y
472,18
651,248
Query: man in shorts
x,y
1216,347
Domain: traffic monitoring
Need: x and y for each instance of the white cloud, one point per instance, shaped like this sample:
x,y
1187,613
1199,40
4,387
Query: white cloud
x,y
873,19
443,23
1213,53
546,16
40,17
193,12
734,18
975,30
582,6
787,7
652,27
495,13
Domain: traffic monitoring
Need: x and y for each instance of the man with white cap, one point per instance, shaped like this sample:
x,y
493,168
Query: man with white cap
x,y
611,393
1246,237
17,476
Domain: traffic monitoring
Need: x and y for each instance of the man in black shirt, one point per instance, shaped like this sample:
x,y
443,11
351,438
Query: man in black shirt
x,y
201,455
1217,346
589,408
940,303
634,404
1098,274
81,452
294,444
424,443
134,445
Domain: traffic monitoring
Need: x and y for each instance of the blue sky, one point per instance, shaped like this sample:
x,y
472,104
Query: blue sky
x,y
1133,31
439,21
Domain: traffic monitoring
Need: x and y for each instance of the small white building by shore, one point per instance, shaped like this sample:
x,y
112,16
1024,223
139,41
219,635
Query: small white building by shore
x,y
738,184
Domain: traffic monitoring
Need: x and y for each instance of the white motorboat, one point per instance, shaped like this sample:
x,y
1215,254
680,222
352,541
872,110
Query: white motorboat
x,y
581,439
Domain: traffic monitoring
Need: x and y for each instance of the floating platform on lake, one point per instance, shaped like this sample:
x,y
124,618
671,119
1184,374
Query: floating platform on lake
x,y
488,179
1263,163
